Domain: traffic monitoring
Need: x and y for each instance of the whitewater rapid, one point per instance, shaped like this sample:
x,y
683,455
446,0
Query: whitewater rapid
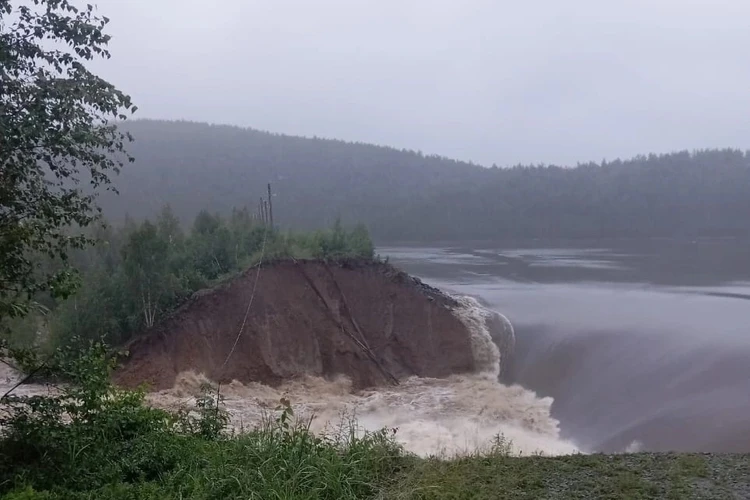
x,y
458,415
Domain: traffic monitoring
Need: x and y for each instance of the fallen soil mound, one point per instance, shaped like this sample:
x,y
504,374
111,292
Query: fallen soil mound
x,y
367,321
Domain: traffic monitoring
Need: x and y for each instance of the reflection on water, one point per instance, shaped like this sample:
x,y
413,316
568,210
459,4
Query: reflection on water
x,y
645,343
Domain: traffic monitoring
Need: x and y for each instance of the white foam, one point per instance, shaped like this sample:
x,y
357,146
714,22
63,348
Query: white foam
x,y
488,357
486,353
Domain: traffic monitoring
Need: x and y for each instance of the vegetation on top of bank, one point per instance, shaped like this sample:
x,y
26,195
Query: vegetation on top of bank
x,y
133,276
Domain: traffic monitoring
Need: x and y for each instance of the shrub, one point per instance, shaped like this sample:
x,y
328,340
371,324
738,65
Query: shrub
x,y
77,435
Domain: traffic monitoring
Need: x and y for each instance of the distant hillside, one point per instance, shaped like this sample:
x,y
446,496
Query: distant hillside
x,y
405,195
702,194
195,166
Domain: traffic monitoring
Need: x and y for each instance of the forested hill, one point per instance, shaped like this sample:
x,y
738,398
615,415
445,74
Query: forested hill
x,y
703,194
196,166
405,195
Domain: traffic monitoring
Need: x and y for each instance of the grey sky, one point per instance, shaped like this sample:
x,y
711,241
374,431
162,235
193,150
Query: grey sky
x,y
490,81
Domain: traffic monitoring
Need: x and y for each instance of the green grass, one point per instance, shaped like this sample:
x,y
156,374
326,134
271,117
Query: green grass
x,y
269,463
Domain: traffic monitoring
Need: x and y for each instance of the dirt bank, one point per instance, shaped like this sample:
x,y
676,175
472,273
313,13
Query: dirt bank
x,y
367,321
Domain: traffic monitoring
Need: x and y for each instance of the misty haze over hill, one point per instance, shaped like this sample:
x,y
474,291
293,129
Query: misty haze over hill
x,y
405,195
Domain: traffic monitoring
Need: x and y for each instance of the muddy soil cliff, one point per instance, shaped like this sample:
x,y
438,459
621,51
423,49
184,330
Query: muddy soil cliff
x,y
367,321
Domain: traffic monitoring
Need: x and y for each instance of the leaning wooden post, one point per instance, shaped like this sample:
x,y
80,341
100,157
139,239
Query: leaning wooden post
x,y
270,206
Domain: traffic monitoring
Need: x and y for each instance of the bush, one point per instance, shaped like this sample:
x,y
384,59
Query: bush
x,y
209,420
78,436
333,244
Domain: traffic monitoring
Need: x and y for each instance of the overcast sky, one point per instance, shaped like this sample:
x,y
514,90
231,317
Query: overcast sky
x,y
540,81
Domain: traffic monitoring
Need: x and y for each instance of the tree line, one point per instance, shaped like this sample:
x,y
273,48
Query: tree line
x,y
678,195
406,195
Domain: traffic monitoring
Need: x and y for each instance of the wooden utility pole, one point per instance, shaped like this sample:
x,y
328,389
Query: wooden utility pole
x,y
261,212
270,205
265,211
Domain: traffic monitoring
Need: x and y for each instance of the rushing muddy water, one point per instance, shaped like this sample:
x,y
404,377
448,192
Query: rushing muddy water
x,y
640,345
444,417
